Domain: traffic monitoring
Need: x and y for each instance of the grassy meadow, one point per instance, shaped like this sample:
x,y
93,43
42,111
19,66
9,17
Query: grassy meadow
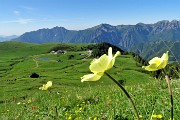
x,y
68,98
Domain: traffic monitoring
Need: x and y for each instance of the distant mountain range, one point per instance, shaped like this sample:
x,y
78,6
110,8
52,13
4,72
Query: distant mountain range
x,y
140,38
6,38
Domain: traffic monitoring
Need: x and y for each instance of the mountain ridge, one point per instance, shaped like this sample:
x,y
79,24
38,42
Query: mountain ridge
x,y
120,33
127,37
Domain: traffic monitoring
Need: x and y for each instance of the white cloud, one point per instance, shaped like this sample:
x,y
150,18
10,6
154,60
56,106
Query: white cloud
x,y
19,21
27,21
24,21
27,8
16,12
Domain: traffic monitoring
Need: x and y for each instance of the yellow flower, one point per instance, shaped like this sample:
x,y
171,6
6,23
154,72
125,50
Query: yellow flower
x,y
99,66
80,109
157,63
46,86
70,117
140,116
18,103
159,116
29,101
154,116
95,118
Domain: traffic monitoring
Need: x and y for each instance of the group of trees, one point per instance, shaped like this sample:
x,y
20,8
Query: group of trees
x,y
102,48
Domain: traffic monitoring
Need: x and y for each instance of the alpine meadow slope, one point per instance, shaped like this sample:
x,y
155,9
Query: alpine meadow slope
x,y
68,98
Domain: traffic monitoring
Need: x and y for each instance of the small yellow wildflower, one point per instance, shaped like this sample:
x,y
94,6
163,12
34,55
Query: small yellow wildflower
x,y
99,66
95,118
29,101
157,63
154,116
140,116
18,103
70,117
46,86
79,97
78,118
80,109
159,116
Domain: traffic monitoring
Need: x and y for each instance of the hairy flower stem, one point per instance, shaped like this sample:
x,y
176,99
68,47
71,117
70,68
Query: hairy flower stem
x,y
126,93
170,94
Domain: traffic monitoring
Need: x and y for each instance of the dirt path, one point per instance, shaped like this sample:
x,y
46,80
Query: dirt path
x,y
37,65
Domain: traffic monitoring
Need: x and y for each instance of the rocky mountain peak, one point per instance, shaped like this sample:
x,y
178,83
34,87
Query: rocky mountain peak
x,y
104,27
166,25
175,24
59,28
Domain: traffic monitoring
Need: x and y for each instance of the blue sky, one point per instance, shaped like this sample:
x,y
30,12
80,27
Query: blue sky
x,y
20,16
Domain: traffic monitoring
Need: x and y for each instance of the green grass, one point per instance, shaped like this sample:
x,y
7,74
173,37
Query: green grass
x,y
69,98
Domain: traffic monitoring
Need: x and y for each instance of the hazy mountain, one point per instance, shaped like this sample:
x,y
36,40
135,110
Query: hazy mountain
x,y
151,49
127,37
6,38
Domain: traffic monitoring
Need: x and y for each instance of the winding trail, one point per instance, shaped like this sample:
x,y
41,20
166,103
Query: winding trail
x,y
37,65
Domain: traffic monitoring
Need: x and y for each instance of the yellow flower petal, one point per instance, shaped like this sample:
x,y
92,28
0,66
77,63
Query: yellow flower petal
x,y
91,77
99,65
151,67
165,56
110,52
117,54
155,60
112,60
164,60
49,84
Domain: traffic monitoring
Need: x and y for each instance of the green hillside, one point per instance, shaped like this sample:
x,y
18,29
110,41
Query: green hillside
x,y
69,98
20,56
